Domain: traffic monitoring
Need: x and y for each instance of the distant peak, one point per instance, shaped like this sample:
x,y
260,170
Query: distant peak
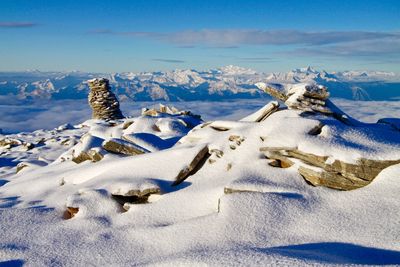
x,y
308,69
232,69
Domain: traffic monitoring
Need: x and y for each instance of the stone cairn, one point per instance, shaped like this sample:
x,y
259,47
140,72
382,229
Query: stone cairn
x,y
104,103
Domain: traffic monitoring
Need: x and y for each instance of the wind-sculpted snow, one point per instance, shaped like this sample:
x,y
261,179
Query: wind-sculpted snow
x,y
234,207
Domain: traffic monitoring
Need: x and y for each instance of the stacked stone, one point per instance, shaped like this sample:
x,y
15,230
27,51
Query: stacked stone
x,y
311,97
307,97
104,104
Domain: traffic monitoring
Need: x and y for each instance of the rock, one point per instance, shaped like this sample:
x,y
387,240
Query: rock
x,y
333,173
277,91
70,212
220,128
89,148
217,152
228,190
148,141
127,124
20,166
229,166
263,113
317,176
120,146
223,126
136,196
28,146
64,127
308,98
10,142
163,109
103,102
149,112
91,155
236,139
211,161
196,164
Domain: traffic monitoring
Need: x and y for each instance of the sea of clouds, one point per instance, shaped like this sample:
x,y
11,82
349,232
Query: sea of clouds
x,y
33,115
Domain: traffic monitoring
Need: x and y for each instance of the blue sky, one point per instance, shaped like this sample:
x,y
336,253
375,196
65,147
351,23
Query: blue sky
x,y
115,36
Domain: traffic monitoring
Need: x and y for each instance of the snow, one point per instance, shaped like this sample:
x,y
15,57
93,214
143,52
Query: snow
x,y
279,219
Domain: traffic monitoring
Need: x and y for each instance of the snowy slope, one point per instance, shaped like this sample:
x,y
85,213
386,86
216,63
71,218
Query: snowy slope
x,y
277,219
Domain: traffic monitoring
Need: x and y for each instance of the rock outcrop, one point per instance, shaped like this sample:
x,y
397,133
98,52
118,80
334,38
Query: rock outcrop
x,y
322,170
102,100
306,97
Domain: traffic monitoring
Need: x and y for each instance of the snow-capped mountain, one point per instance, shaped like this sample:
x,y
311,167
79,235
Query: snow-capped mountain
x,y
182,85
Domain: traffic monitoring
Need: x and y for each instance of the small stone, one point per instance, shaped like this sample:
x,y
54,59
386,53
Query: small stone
x,y
70,212
229,166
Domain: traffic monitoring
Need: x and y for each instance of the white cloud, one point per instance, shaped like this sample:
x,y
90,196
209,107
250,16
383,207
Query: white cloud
x,y
16,118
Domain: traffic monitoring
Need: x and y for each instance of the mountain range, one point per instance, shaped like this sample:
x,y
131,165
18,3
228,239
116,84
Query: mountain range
x,y
229,82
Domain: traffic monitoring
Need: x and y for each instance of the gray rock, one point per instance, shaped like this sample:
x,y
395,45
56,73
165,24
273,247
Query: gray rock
x,y
91,155
337,174
120,146
196,164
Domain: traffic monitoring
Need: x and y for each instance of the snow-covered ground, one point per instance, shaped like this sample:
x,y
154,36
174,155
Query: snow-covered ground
x,y
278,219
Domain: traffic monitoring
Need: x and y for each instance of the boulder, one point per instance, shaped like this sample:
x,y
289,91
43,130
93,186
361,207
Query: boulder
x,y
333,173
136,196
120,146
90,154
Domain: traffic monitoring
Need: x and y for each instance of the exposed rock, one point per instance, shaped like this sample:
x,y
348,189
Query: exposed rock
x,y
306,97
91,155
89,148
120,146
317,176
70,212
277,91
220,128
28,146
127,124
10,142
20,166
263,113
217,152
103,102
64,127
228,190
148,141
196,164
229,166
236,139
166,110
333,173
136,196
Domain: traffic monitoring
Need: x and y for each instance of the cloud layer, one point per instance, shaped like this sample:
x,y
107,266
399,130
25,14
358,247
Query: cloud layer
x,y
17,117
301,43
8,24
236,37
168,60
